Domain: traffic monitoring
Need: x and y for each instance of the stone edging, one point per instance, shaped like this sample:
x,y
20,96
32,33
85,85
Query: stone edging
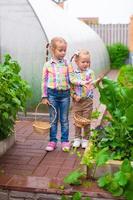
x,y
6,144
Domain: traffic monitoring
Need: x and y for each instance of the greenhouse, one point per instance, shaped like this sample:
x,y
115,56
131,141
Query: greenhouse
x,y
27,26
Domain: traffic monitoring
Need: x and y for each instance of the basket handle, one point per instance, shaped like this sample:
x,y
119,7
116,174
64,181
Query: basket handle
x,y
55,112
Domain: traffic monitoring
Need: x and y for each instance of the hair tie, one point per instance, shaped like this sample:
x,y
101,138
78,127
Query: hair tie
x,y
77,53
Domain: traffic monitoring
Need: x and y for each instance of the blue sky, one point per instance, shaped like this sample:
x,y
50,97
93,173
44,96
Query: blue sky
x,y
108,11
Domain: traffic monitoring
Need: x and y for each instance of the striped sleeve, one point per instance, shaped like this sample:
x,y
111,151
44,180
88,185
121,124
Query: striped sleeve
x,y
44,81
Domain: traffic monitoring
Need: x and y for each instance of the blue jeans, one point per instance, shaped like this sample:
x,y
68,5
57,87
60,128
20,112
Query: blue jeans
x,y
61,101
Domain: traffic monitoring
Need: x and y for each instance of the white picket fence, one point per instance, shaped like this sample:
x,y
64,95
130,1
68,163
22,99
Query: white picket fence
x,y
112,33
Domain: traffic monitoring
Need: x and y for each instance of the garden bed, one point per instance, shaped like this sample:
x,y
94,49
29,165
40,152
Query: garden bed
x,y
94,172
6,144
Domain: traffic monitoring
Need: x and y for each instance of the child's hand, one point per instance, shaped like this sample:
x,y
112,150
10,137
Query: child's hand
x,y
45,101
77,98
89,85
97,81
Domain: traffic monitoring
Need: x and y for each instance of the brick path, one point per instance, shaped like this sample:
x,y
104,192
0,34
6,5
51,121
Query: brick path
x,y
27,159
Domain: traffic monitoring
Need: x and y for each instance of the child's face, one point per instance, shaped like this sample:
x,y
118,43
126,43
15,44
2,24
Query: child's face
x,y
83,62
59,51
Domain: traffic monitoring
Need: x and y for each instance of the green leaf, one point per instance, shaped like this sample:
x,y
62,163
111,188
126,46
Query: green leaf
x,y
87,198
121,178
129,115
64,198
129,195
77,196
118,192
104,180
126,166
74,177
95,114
5,115
126,76
129,189
102,156
113,187
7,59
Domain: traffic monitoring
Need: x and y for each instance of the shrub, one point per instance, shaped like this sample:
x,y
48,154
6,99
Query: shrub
x,y
13,95
114,141
118,54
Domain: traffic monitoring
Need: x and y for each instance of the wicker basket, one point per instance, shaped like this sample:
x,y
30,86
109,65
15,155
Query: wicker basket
x,y
43,127
80,121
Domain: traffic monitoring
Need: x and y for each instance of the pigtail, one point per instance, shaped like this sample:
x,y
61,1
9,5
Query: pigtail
x,y
72,57
75,55
47,51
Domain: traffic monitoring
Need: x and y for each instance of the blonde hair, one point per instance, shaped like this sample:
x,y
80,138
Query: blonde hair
x,y
53,44
78,54
54,41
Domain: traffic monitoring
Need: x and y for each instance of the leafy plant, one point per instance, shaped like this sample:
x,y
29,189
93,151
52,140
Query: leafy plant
x,y
74,177
115,140
76,196
13,95
118,54
118,134
125,77
121,182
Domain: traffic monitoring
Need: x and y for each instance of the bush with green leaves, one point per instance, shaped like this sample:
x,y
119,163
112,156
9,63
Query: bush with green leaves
x,y
118,54
115,140
13,95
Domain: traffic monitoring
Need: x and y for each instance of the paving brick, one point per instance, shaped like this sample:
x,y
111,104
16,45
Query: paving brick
x,y
57,159
18,172
51,163
21,152
33,183
52,172
64,172
36,137
27,128
69,163
52,155
20,124
15,159
40,171
35,160
4,179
